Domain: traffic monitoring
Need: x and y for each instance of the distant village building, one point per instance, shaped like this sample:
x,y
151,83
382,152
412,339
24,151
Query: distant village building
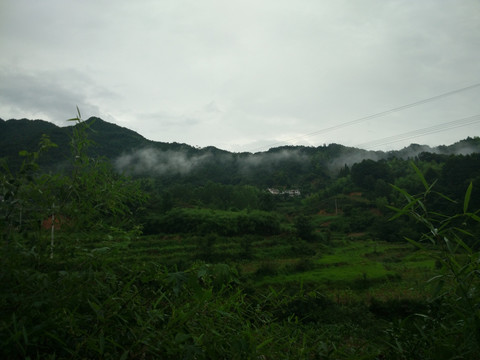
x,y
292,192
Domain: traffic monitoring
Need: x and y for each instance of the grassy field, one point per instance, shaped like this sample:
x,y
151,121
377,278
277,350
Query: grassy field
x,y
363,266
334,297
320,300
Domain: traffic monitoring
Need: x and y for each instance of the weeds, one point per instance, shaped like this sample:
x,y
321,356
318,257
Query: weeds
x,y
450,329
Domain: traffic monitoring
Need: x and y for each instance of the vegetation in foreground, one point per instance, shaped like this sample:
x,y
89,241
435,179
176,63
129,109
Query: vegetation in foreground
x,y
259,278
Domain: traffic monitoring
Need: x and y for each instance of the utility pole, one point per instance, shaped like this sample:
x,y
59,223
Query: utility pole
x,y
52,237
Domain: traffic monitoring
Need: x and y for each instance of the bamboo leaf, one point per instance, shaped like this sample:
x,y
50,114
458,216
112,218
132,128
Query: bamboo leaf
x,y
465,232
422,205
467,248
404,192
445,197
431,186
102,343
435,278
467,197
420,175
399,212
59,340
124,355
263,344
416,243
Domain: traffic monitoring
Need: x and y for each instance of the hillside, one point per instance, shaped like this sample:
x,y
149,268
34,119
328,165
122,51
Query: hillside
x,y
131,153
296,252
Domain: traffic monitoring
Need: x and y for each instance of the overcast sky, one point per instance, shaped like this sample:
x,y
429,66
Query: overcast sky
x,y
247,75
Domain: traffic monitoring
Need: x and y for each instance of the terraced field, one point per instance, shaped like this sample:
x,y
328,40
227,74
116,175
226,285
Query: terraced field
x,y
362,266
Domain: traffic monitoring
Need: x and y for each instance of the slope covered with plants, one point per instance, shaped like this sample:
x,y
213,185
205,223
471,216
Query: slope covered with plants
x,y
294,253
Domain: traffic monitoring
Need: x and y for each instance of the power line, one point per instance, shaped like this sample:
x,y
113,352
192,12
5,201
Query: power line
x,y
421,132
365,118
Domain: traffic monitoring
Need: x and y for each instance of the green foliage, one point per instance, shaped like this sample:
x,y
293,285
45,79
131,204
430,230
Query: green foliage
x,y
141,310
301,248
90,198
122,312
224,197
205,221
394,230
24,195
227,280
457,173
304,228
366,173
451,329
206,248
94,195
394,309
246,248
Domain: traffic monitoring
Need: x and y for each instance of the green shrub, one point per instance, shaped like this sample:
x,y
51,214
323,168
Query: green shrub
x,y
397,308
90,310
301,248
451,327
246,251
304,264
206,221
267,268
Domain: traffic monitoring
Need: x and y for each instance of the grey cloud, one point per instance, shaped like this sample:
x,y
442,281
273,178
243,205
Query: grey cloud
x,y
48,95
352,158
266,160
159,162
169,119
150,160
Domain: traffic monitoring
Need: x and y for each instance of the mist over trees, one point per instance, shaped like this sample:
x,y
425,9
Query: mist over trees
x,y
310,168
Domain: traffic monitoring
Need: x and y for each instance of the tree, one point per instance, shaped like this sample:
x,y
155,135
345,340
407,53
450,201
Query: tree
x,y
25,196
97,197
304,228
91,196
366,173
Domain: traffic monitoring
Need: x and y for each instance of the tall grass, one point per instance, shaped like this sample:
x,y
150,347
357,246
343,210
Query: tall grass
x,y
450,328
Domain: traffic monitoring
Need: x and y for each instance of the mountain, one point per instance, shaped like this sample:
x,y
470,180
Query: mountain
x,y
110,140
174,162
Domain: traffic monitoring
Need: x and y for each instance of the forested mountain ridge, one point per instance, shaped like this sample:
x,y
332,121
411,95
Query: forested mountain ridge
x,y
183,176
129,152
24,134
